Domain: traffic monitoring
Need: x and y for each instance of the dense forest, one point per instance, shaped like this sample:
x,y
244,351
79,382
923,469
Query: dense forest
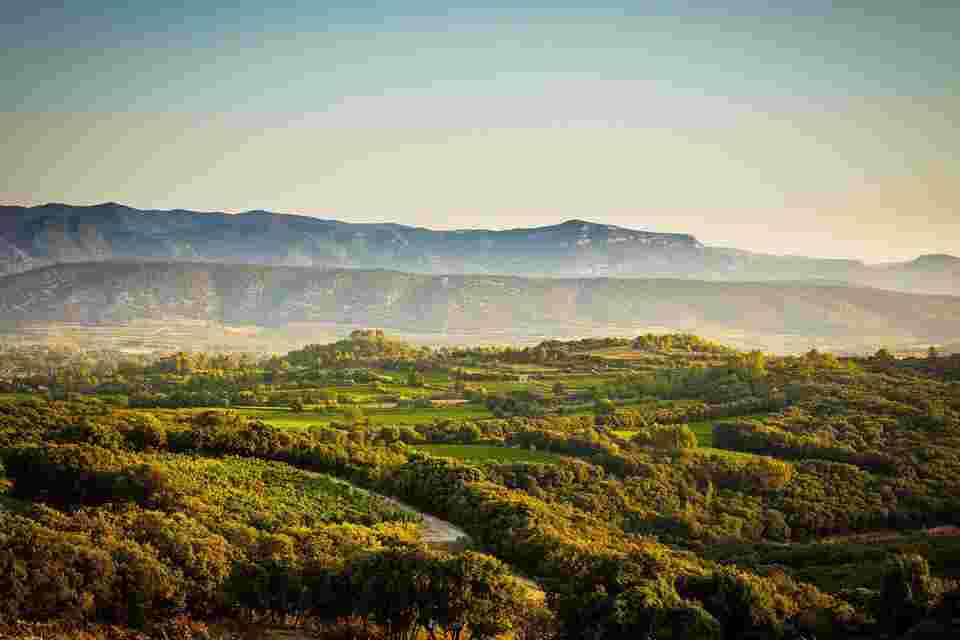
x,y
661,487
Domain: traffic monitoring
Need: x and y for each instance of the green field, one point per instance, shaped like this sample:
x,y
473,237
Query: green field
x,y
426,416
506,386
625,351
627,435
729,453
487,453
283,418
280,417
18,397
704,432
702,429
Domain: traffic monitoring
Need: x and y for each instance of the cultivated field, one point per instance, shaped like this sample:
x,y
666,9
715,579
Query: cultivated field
x,y
487,454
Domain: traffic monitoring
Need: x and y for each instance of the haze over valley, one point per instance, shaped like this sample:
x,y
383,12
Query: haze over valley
x,y
787,316
113,266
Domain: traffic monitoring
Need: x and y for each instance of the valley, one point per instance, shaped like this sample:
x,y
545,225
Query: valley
x,y
479,321
169,305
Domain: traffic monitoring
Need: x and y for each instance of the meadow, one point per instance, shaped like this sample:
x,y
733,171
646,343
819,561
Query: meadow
x,y
703,429
284,418
427,415
479,453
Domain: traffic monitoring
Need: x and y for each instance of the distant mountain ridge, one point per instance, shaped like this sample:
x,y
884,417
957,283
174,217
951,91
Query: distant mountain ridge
x,y
32,237
272,296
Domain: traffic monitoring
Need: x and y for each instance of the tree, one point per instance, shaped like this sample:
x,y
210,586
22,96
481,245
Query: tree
x,y
182,363
146,432
757,363
476,591
470,432
604,407
905,595
884,357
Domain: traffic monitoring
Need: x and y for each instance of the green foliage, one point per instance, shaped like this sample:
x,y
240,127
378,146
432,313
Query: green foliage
x,y
612,508
146,432
488,454
665,437
905,595
676,342
603,407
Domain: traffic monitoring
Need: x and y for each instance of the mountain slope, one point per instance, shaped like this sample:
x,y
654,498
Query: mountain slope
x,y
110,292
32,237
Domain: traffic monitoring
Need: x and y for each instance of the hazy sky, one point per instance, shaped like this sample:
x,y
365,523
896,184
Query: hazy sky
x,y
806,127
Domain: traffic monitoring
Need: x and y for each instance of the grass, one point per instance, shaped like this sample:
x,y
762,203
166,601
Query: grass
x,y
703,430
488,453
626,352
426,416
506,386
19,397
283,418
572,382
280,417
729,453
575,382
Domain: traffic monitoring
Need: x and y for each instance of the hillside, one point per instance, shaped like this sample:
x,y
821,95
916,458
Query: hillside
x,y
32,237
761,314
696,493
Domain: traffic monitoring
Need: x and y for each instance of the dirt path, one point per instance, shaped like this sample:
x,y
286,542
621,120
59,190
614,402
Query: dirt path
x,y
435,532
444,535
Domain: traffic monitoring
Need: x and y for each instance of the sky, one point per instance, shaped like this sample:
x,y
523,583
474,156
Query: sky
x,y
817,128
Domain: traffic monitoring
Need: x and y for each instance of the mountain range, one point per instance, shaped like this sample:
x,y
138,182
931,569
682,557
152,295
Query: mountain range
x,y
109,265
32,237
768,314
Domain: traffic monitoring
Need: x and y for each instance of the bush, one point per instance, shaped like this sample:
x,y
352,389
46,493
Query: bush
x,y
666,437
146,433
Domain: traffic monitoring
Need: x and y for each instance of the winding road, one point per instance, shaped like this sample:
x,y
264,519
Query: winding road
x,y
446,536
434,531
